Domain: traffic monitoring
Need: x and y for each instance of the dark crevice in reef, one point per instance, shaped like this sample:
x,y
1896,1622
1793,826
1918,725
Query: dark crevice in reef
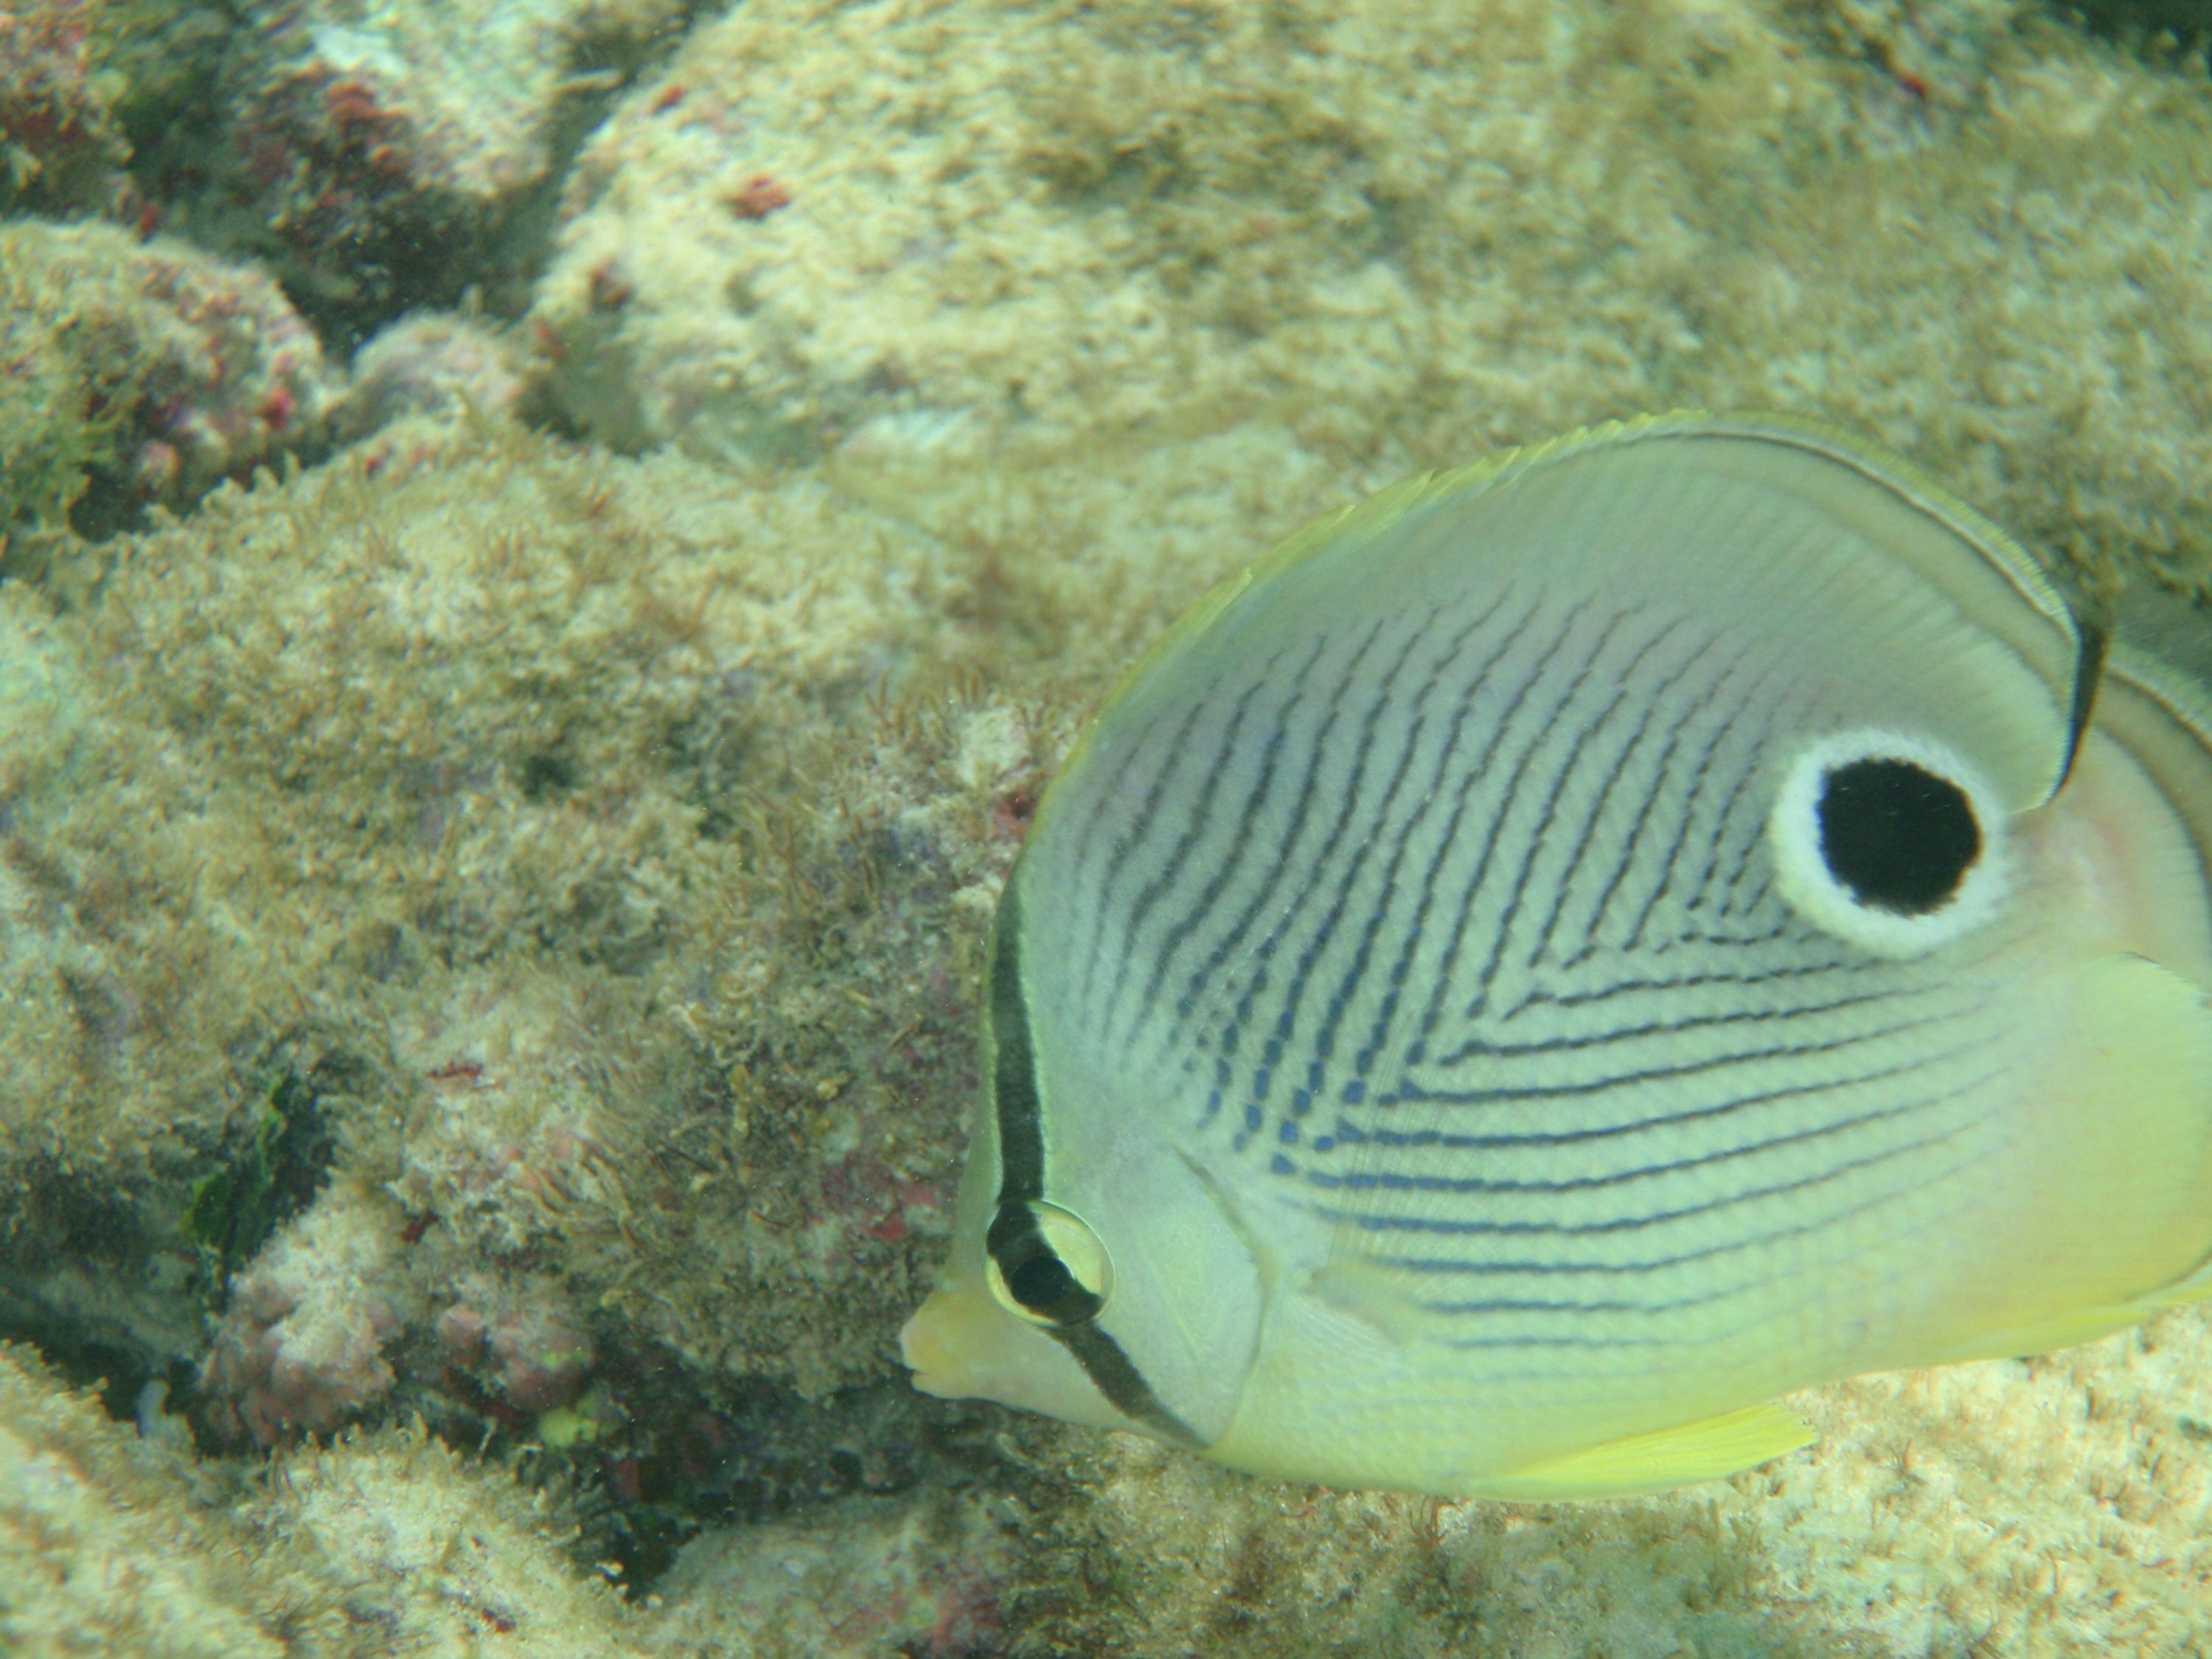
x,y
89,1354
661,1456
113,1292
2185,22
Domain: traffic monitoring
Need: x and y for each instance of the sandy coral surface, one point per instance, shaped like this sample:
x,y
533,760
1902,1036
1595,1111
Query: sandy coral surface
x,y
490,905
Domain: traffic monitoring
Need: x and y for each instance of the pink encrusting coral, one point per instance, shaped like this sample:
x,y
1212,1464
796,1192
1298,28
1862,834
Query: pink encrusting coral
x,y
430,363
521,1338
859,1579
302,1347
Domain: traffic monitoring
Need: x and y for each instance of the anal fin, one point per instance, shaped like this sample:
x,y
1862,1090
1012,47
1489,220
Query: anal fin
x,y
1659,1461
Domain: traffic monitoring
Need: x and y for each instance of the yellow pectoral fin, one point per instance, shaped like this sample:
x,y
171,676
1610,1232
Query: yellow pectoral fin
x,y
1658,1462
2168,1053
2197,1287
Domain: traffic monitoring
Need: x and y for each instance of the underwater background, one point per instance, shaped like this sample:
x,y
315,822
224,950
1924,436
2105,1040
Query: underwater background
x,y
548,549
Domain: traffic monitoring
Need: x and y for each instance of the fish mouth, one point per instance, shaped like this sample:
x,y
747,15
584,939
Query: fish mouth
x,y
929,1343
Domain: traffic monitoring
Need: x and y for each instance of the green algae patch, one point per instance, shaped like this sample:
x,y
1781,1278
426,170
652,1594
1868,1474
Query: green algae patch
x,y
51,438
233,1210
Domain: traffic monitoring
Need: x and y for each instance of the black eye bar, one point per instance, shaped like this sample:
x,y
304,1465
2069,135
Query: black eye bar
x,y
1014,1240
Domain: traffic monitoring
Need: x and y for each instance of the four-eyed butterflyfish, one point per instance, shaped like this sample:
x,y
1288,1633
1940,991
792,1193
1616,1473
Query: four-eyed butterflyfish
x,y
1564,952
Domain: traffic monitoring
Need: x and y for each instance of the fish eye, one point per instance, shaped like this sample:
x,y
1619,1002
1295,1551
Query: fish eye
x,y
1046,1266
1888,841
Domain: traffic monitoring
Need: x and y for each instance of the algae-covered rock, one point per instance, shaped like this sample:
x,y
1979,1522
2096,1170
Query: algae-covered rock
x,y
385,157
105,1547
894,229
510,927
61,147
406,1546
144,372
2036,1507
2017,306
879,228
874,235
113,1542
2180,21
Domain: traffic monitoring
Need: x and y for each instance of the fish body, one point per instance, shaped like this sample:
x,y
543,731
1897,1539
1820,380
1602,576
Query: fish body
x,y
1564,952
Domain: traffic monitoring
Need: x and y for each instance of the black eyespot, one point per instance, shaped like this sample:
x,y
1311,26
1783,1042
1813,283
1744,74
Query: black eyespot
x,y
1895,835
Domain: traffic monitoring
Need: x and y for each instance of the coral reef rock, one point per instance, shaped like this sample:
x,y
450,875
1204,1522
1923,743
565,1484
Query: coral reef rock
x,y
141,372
113,1542
62,149
382,156
430,363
